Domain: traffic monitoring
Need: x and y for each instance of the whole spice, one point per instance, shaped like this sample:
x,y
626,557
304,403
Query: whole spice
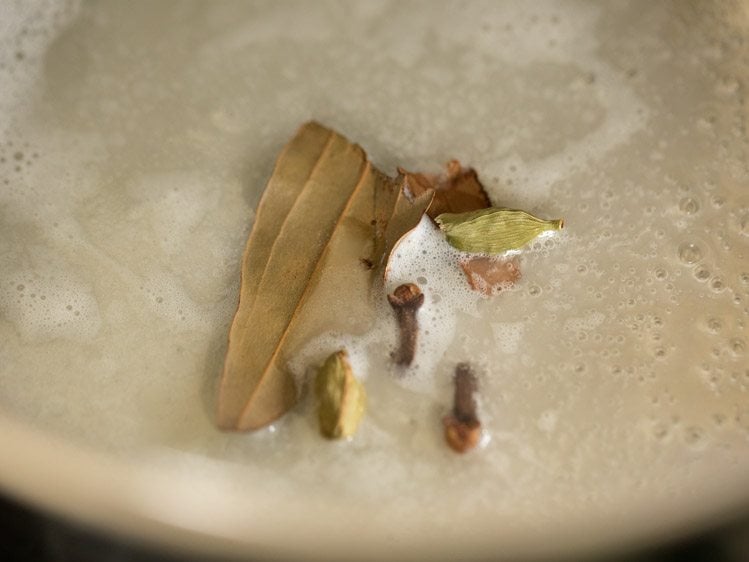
x,y
462,426
341,397
312,227
406,300
291,280
493,230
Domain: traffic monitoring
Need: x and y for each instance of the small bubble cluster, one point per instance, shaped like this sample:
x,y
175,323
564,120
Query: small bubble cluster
x,y
50,305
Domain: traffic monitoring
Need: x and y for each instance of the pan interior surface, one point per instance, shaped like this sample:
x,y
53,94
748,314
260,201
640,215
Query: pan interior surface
x,y
135,141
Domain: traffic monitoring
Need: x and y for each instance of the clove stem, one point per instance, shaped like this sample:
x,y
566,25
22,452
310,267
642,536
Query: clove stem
x,y
406,300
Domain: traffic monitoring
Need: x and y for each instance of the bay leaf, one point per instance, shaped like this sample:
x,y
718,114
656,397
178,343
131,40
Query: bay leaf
x,y
405,216
293,168
325,208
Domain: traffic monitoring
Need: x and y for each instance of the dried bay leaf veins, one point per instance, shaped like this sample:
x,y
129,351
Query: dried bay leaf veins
x,y
399,218
325,209
341,397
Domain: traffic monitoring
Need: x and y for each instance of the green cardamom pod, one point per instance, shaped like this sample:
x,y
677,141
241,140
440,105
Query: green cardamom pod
x,y
341,397
493,230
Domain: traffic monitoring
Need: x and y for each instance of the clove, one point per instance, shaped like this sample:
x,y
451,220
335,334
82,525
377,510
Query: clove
x,y
462,426
406,300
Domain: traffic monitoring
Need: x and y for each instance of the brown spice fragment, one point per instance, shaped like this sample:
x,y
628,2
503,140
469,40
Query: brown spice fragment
x,y
458,190
406,300
462,426
490,275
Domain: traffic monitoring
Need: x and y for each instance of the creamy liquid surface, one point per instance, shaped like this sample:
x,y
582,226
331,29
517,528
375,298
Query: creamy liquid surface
x,y
136,139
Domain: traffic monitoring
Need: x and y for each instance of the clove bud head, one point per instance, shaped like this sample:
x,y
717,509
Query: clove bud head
x,y
462,425
407,295
461,435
